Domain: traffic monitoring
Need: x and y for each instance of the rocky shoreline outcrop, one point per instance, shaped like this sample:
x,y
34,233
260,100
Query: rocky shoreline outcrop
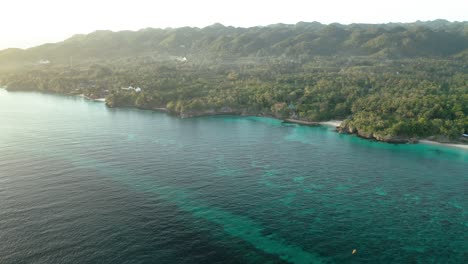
x,y
347,129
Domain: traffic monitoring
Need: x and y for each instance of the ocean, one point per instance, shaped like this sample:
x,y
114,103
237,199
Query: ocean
x,y
83,183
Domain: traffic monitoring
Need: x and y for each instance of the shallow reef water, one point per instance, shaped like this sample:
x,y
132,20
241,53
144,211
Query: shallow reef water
x,y
81,183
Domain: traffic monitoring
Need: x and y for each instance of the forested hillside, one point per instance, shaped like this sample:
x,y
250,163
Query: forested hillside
x,y
391,82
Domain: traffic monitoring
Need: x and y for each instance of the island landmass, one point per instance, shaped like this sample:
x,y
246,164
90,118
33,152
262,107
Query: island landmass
x,y
396,82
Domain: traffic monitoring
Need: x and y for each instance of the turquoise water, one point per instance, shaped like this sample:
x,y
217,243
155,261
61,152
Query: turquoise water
x,y
81,183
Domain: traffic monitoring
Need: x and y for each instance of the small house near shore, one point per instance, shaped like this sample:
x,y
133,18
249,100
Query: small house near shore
x,y
130,88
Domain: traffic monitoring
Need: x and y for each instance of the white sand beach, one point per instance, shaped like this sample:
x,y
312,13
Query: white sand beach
x,y
429,142
333,123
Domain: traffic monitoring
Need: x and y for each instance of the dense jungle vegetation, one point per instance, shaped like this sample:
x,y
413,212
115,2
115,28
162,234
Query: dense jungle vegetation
x,y
386,81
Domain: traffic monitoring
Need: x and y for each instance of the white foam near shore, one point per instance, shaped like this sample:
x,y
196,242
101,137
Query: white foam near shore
x,y
91,99
333,123
429,142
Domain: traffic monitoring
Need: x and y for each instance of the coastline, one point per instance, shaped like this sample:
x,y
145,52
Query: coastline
x,y
102,100
300,122
451,145
331,123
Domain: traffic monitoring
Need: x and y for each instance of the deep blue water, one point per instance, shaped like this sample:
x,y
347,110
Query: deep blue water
x,y
81,183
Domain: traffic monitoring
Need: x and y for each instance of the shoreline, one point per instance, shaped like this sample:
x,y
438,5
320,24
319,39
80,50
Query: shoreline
x,y
102,100
300,122
451,145
331,123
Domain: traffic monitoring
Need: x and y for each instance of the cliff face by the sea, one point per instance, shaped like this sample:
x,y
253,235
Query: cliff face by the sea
x,y
345,128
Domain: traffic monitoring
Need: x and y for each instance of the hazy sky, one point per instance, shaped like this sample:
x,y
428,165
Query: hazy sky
x,y
26,23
